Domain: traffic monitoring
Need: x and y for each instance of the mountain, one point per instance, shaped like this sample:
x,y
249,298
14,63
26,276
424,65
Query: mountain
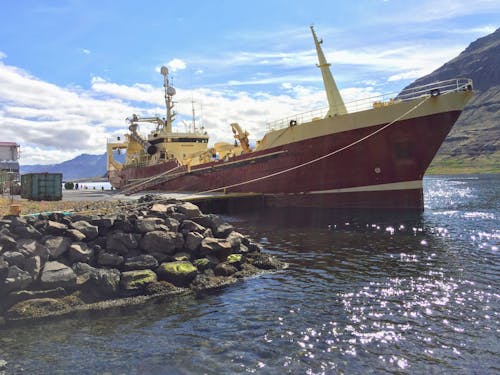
x,y
473,144
83,166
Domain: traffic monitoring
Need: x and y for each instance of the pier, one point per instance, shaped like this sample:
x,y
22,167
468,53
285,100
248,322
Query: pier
x,y
208,202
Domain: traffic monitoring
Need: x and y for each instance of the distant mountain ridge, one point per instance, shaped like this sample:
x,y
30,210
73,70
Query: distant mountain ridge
x,y
473,144
83,166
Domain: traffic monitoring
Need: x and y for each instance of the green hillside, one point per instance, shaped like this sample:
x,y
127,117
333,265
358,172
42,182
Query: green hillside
x,y
473,145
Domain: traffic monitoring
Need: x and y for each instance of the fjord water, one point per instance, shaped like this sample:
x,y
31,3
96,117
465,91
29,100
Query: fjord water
x,y
365,293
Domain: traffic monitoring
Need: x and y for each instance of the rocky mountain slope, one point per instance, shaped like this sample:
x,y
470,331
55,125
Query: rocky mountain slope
x,y
473,145
83,166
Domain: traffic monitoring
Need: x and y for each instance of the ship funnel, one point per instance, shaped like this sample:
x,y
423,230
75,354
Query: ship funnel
x,y
335,103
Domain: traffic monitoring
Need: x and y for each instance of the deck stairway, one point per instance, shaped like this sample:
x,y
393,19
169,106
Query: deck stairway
x,y
149,182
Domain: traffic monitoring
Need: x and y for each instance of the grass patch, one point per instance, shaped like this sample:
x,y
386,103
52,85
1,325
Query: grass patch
x,y
483,164
31,207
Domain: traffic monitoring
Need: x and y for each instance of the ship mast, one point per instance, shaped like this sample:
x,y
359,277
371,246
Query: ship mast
x,y
335,103
169,92
194,116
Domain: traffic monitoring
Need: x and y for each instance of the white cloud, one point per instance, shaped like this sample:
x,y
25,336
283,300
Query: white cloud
x,y
176,64
423,58
38,155
274,80
482,30
43,116
138,92
412,74
85,51
427,11
392,59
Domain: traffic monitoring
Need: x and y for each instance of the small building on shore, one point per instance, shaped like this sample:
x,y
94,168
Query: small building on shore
x,y
9,166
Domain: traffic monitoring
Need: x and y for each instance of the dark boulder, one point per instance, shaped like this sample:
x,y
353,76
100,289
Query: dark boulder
x,y
55,274
57,246
235,239
30,248
172,224
105,258
97,281
55,228
80,252
75,235
16,279
217,247
4,269
140,262
219,227
123,224
121,242
14,258
225,269
7,242
188,209
162,242
147,224
193,241
90,231
104,223
33,266
188,226
27,231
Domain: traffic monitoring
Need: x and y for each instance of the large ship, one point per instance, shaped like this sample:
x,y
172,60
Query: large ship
x,y
370,153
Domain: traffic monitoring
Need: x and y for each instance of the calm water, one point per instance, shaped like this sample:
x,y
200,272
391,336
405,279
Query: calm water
x,y
380,293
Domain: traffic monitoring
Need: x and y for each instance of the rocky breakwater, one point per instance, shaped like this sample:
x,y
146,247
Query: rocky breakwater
x,y
52,265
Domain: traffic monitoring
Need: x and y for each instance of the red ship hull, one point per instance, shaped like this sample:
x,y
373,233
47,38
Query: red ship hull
x,y
385,170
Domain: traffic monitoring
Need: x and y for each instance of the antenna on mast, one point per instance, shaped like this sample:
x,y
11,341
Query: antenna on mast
x,y
169,92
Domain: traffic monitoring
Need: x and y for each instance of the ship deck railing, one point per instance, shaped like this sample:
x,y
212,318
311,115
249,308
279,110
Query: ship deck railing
x,y
377,101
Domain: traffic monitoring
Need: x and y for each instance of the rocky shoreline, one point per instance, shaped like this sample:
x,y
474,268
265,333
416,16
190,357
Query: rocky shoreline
x,y
54,265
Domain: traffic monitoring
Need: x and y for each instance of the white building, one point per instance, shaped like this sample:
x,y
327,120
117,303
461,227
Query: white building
x,y
9,165
9,156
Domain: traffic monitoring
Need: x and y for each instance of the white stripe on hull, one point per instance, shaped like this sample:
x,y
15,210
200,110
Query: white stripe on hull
x,y
406,185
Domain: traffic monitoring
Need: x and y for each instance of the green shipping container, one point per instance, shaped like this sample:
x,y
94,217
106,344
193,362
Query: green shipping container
x,y
41,186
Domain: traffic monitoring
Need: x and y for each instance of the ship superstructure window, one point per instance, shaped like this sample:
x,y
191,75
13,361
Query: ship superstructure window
x,y
403,150
192,140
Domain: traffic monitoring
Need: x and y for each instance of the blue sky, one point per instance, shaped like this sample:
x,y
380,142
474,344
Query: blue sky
x,y
72,71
